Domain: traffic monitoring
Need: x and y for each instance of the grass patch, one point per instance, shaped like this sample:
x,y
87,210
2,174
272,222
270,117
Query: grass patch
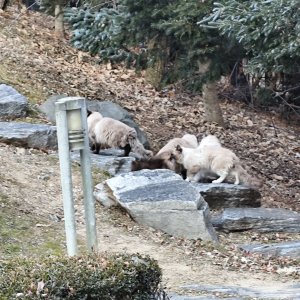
x,y
20,235
99,175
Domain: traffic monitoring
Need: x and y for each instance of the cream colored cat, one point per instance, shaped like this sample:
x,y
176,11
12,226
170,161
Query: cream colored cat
x,y
211,157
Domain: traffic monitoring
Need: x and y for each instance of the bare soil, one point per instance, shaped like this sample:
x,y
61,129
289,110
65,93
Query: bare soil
x,y
31,214
32,218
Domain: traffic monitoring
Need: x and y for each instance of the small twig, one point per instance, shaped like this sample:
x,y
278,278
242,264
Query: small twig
x,y
17,17
288,104
288,90
274,127
233,70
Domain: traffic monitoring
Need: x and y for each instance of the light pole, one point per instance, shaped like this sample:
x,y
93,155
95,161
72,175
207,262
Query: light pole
x,y
71,122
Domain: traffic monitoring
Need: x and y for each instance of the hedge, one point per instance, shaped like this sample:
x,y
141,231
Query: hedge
x,y
113,277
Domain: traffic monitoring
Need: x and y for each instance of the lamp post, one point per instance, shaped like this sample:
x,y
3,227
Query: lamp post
x,y
71,125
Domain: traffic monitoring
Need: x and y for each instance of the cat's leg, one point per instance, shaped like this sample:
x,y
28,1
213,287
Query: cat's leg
x,y
237,177
198,176
189,176
223,174
97,148
126,149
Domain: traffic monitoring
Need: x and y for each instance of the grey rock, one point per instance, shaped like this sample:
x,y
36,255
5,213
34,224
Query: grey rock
x,y
162,200
104,195
258,219
106,108
290,292
12,103
178,297
27,135
48,107
109,160
225,195
291,249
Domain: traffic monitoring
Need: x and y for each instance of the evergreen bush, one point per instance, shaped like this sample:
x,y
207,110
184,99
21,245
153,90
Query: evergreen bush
x,y
156,33
98,32
118,277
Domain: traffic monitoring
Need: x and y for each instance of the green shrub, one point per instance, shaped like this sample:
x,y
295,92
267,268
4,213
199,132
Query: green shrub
x,y
82,277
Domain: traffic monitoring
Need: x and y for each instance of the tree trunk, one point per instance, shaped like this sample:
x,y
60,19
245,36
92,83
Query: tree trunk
x,y
59,21
154,74
212,107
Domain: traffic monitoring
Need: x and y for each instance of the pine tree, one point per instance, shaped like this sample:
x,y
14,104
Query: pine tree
x,y
171,26
98,31
160,35
269,32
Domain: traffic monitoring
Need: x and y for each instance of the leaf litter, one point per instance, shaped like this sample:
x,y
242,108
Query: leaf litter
x,y
33,60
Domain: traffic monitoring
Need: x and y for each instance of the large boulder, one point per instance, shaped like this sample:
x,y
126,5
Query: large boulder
x,y
12,103
162,200
48,107
224,195
28,135
106,108
258,219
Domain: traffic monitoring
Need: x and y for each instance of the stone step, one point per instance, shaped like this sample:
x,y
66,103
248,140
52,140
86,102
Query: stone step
x,y
258,219
225,195
39,136
290,249
234,292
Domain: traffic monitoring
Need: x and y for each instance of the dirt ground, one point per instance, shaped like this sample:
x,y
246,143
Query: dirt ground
x,y
31,194
31,214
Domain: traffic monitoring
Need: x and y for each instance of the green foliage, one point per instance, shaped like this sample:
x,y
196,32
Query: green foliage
x,y
118,277
268,30
263,97
147,33
98,32
173,25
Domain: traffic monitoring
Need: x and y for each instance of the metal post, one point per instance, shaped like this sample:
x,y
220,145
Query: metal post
x,y
66,177
71,119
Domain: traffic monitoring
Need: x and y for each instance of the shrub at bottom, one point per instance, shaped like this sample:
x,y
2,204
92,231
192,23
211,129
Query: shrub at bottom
x,y
118,277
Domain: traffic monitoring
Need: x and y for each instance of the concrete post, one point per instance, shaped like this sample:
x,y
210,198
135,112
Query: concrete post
x,y
66,177
71,120
87,180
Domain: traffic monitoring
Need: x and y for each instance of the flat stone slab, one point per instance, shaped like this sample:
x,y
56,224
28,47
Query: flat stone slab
x,y
12,103
290,292
162,200
258,219
291,249
224,195
109,160
28,135
180,297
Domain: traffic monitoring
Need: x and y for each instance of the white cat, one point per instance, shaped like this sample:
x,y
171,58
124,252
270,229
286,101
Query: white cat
x,y
211,157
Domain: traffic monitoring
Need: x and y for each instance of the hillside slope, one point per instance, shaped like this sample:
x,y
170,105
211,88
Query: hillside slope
x,y
38,65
